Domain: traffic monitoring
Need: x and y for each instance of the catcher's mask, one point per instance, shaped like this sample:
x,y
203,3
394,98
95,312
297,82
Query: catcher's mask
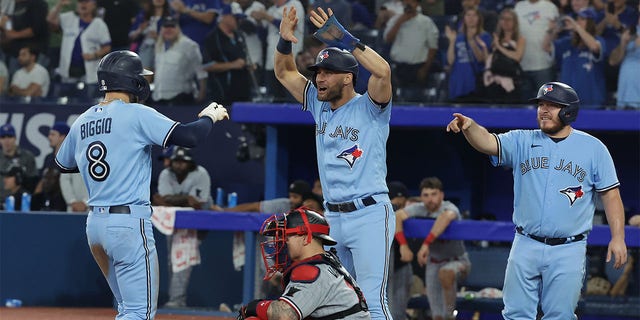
x,y
300,221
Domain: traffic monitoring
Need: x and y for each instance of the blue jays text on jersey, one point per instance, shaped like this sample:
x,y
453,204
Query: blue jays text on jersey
x,y
543,163
348,133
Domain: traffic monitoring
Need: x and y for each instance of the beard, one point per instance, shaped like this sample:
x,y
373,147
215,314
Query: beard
x,y
551,130
332,94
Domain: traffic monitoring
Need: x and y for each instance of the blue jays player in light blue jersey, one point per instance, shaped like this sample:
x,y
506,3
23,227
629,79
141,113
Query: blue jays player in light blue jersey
x,y
351,137
557,171
110,145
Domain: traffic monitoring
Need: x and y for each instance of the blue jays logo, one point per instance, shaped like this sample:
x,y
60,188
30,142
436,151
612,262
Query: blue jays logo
x,y
548,88
532,16
351,155
323,55
573,193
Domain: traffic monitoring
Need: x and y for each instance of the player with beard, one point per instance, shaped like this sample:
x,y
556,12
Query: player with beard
x,y
557,173
351,137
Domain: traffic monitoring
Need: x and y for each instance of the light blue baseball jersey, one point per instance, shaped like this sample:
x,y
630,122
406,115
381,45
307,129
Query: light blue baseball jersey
x,y
118,135
555,183
350,145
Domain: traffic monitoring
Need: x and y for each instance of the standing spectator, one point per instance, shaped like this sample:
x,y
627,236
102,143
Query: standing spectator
x,y
352,167
14,155
119,16
489,17
503,73
27,26
553,203
32,80
55,36
400,272
196,17
446,261
466,56
341,8
534,17
580,56
86,39
414,43
49,196
628,53
251,30
144,30
178,66
272,18
226,59
4,79
183,184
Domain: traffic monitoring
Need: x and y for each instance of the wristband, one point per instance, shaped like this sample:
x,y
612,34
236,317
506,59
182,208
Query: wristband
x,y
261,309
284,46
430,238
400,238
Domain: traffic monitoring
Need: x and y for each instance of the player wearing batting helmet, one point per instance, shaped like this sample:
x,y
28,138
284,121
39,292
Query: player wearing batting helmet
x,y
110,145
557,172
351,136
316,284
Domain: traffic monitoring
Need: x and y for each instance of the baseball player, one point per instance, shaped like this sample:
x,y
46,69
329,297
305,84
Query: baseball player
x,y
316,285
110,145
557,172
351,137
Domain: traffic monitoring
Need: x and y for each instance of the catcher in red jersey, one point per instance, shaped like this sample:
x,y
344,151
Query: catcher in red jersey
x,y
316,284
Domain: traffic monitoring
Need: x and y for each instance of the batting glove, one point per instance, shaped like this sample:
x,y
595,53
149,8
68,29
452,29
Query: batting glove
x,y
215,111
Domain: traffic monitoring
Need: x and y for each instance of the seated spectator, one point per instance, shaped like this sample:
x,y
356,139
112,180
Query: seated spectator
x,y
580,56
49,198
14,155
74,192
145,28
627,55
178,65
56,135
466,56
4,79
314,202
32,80
12,186
86,40
196,17
503,74
26,25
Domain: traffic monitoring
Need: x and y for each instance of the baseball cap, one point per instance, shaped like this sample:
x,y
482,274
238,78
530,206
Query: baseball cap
x,y
12,171
7,130
234,9
335,59
169,21
397,189
587,13
61,127
180,153
300,187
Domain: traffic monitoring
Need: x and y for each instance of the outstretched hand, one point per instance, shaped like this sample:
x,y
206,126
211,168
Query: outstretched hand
x,y
318,17
459,122
288,24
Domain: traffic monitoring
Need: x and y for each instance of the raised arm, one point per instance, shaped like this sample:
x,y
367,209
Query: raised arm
x,y
284,63
477,135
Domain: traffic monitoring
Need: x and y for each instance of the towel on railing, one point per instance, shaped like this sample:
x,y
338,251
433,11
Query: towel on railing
x,y
185,245
238,250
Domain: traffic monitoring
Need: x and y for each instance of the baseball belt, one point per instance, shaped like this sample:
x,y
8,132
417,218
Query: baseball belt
x,y
114,209
551,241
350,206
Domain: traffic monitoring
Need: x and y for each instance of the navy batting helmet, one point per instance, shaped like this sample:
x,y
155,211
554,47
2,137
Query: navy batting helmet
x,y
336,59
122,71
561,94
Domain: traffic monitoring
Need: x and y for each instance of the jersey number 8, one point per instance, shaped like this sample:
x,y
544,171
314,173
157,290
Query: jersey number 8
x,y
98,168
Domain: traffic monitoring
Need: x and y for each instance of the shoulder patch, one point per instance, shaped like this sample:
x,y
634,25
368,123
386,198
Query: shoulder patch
x,y
305,273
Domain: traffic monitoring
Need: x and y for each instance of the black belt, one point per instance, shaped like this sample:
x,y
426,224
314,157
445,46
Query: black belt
x,y
551,241
115,209
350,206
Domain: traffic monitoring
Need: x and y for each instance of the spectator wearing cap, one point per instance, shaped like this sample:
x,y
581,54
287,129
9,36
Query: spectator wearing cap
x,y
86,40
12,179
14,155
165,156
226,60
178,66
183,184
298,190
581,57
196,17
32,80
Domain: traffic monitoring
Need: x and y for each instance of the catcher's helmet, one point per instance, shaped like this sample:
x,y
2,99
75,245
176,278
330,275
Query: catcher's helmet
x,y
300,221
561,94
122,71
335,59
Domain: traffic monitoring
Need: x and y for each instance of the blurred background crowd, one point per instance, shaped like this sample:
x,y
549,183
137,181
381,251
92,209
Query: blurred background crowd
x,y
457,51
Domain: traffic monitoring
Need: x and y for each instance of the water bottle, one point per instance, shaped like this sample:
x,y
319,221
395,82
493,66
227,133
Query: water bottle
x,y
10,204
25,205
13,303
220,197
232,200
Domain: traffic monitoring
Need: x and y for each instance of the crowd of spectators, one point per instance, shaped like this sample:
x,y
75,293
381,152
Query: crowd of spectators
x,y
458,51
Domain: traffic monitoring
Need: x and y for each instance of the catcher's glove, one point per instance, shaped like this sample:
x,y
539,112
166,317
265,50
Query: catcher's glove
x,y
598,286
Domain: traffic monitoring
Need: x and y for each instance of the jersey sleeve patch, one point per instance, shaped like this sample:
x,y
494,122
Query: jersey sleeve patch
x,y
305,273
